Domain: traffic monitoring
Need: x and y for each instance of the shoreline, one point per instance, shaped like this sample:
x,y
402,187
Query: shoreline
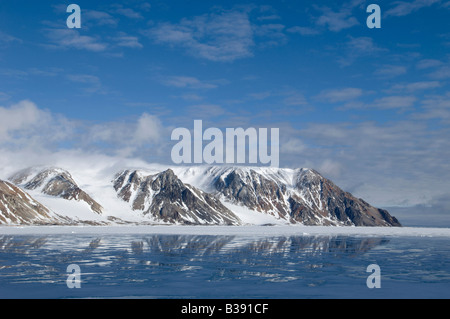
x,y
249,230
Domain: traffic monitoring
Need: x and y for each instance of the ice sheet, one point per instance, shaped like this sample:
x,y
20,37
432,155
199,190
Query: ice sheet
x,y
230,230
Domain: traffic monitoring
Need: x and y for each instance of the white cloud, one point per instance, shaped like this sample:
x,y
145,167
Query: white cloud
x,y
6,39
428,63
26,126
390,71
303,30
386,164
72,39
398,163
23,124
148,130
47,72
260,95
269,17
358,47
336,21
125,138
294,98
435,107
127,12
83,78
292,146
125,40
101,18
145,6
14,73
340,95
223,36
330,168
390,102
402,8
87,167
89,39
340,19
270,34
394,102
362,45
20,117
92,82
441,73
188,82
416,86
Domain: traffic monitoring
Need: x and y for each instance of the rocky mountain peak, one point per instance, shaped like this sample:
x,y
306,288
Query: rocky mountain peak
x,y
298,196
164,197
203,195
167,181
55,182
17,207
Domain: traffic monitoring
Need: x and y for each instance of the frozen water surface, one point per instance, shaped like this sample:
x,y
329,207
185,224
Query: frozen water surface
x,y
224,262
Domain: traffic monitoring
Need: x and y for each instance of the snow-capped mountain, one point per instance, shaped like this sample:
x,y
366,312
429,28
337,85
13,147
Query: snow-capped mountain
x,y
54,182
295,195
166,198
18,207
201,195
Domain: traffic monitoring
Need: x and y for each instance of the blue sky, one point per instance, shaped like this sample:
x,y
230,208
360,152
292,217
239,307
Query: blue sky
x,y
368,108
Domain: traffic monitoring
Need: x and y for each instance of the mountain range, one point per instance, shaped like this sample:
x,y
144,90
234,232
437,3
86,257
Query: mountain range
x,y
197,195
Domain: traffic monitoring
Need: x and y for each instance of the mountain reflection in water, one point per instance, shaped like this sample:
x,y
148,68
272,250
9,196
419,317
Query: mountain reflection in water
x,y
188,245
174,265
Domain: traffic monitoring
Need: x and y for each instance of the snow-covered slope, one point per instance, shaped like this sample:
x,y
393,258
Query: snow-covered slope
x,y
19,208
166,198
54,182
56,189
200,195
294,195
